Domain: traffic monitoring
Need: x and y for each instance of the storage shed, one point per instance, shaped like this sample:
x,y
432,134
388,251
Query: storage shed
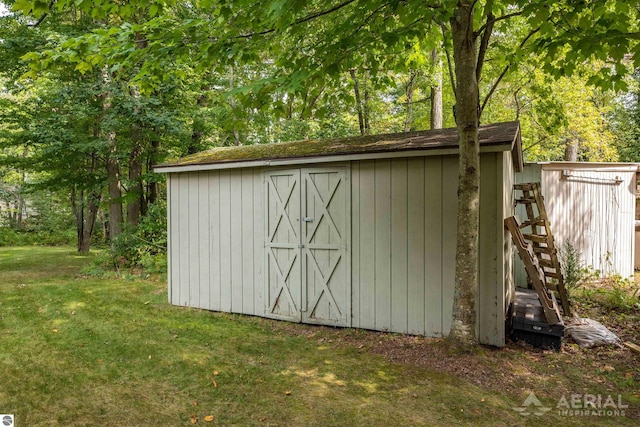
x,y
354,232
592,206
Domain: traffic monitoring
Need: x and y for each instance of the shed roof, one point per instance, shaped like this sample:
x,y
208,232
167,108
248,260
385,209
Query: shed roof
x,y
493,138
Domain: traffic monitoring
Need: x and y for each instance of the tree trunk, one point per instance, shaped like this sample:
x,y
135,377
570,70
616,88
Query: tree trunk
x,y
115,188
93,205
463,331
571,150
408,120
85,211
436,92
78,213
134,202
135,191
197,133
152,185
112,164
366,107
232,102
356,91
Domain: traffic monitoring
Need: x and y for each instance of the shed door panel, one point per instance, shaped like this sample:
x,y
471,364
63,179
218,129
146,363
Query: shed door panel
x,y
306,235
325,229
283,260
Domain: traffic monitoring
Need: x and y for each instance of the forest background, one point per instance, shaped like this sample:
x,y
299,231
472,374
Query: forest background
x,y
91,98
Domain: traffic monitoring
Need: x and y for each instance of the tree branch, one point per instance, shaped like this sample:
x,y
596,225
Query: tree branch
x,y
484,42
504,72
498,19
43,17
449,66
301,20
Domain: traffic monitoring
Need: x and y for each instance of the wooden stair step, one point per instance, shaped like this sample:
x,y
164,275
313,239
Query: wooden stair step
x,y
546,263
538,238
538,222
527,201
543,250
524,186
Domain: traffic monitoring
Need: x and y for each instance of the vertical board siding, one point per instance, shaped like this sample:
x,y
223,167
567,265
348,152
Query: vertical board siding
x,y
183,238
258,209
404,224
508,209
489,310
449,236
594,214
402,251
355,247
415,246
204,241
382,244
173,242
404,244
366,241
236,240
215,234
433,245
225,240
399,243
247,231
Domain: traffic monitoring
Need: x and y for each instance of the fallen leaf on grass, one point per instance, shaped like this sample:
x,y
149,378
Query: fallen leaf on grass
x,y
194,419
209,418
288,393
215,384
195,403
216,373
54,330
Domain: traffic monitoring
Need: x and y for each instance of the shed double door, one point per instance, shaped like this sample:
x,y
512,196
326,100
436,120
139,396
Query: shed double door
x,y
307,231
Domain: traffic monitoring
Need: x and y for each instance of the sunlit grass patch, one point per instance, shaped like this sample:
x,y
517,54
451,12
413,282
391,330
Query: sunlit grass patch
x,y
84,350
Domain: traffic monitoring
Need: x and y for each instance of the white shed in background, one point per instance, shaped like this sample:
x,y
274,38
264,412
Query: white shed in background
x,y
357,232
591,205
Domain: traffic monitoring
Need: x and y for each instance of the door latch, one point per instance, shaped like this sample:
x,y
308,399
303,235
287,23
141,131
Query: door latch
x,y
307,219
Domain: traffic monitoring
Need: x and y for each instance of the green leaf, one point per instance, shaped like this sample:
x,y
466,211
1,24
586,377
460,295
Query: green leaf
x,y
154,8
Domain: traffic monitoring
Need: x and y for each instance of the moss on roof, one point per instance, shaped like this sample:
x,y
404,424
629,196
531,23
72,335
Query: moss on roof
x,y
494,134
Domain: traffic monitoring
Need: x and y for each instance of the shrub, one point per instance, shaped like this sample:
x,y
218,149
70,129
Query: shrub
x,y
144,246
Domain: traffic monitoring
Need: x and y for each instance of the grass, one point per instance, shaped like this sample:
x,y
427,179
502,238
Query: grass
x,y
78,350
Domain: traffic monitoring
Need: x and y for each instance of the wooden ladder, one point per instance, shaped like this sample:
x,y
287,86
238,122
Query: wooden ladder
x,y
541,239
534,271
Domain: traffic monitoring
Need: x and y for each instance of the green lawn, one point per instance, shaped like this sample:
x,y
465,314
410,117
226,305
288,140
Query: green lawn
x,y
78,350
